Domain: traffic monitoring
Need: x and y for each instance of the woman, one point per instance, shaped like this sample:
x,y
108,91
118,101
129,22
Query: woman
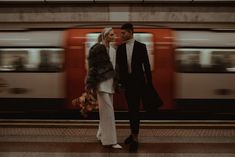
x,y
100,79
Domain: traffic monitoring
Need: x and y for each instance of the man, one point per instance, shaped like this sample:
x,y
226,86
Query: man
x,y
134,72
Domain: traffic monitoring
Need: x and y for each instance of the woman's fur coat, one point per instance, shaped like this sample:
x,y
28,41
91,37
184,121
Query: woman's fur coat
x,y
100,67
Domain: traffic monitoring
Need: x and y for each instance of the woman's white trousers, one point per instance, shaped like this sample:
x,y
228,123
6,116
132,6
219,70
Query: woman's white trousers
x,y
107,128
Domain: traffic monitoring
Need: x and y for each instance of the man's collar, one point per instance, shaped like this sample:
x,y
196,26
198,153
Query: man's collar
x,y
132,40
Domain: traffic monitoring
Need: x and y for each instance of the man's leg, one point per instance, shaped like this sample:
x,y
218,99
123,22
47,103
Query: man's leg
x,y
133,100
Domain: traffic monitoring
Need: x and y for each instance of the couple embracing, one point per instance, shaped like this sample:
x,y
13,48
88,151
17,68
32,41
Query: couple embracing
x,y
105,62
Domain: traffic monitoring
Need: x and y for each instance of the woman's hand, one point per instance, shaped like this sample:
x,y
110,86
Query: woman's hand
x,y
89,90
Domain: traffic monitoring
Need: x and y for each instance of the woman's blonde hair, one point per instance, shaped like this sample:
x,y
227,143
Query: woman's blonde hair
x,y
105,32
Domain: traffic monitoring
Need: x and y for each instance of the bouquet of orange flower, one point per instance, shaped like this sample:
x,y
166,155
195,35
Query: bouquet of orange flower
x,y
87,102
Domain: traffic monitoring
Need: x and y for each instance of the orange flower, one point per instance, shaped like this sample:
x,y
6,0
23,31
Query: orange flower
x,y
87,102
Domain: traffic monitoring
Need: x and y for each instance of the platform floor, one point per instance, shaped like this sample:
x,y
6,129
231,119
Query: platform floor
x,y
25,140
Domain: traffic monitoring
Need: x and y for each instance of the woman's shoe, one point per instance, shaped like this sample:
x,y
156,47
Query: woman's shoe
x,y
117,146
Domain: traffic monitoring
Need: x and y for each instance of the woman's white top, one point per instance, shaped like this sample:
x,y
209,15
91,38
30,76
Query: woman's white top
x,y
107,85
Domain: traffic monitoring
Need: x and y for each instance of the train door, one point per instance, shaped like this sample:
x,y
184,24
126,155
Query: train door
x,y
164,64
75,63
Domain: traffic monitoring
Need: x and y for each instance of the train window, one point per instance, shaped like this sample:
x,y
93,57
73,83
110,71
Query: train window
x,y
91,39
146,38
31,59
205,60
223,60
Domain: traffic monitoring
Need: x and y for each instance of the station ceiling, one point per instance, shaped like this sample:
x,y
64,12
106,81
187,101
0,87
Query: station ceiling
x,y
116,1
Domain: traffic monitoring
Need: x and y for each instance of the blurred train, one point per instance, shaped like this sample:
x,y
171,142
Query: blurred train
x,y
46,69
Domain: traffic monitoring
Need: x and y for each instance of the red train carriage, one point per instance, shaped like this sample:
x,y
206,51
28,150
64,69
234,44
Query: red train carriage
x,y
160,51
193,70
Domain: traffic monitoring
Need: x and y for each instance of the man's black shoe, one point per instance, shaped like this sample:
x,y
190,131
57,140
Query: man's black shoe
x,y
128,140
134,145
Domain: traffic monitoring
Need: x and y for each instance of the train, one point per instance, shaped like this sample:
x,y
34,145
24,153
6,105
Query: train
x,y
45,69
